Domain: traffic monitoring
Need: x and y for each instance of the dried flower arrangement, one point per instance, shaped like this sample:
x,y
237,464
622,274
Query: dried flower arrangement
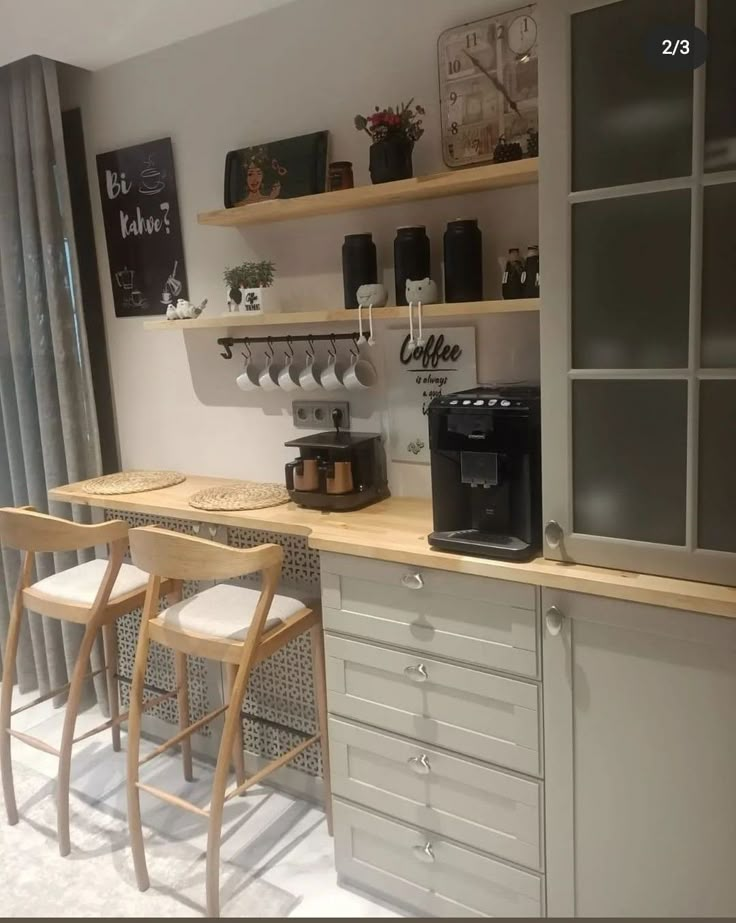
x,y
402,122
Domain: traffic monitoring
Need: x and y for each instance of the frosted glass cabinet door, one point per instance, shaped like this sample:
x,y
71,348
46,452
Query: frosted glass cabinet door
x,y
631,122
720,77
629,459
631,281
717,466
718,309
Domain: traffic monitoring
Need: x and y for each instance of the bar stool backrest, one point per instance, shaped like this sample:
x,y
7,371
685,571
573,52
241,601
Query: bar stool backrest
x,y
26,530
185,557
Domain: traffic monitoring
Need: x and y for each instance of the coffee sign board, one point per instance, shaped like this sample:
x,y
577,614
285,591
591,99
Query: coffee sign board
x,y
140,210
442,364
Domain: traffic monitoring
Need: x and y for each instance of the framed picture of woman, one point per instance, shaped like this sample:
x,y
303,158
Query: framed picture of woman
x,y
276,170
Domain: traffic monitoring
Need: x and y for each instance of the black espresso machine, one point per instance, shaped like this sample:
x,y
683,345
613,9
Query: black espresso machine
x,y
486,471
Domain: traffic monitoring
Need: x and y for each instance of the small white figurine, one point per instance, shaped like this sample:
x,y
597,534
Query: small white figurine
x,y
372,294
424,290
185,310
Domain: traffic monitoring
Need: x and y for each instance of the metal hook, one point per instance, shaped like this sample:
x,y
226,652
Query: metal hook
x,y
310,346
355,348
332,350
228,354
290,348
248,354
269,347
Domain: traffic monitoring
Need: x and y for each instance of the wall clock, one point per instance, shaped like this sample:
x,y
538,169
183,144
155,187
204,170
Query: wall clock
x,y
488,84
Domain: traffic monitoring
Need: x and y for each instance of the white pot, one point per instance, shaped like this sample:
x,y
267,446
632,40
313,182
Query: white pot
x,y
253,301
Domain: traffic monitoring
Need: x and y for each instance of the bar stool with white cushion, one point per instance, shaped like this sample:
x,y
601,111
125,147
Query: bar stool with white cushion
x,y
238,627
93,594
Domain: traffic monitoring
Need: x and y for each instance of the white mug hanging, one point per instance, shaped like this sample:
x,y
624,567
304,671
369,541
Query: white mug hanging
x,y
248,378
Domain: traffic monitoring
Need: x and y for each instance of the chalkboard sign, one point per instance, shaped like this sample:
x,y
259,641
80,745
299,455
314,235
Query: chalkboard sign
x,y
142,227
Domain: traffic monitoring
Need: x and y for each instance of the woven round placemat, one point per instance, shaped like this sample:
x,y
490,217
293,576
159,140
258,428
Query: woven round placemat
x,y
132,482
244,495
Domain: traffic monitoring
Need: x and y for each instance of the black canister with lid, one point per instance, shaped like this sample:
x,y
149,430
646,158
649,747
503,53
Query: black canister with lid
x,y
463,246
359,265
411,258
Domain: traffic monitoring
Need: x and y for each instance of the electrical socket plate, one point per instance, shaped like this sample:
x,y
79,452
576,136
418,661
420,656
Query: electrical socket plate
x,y
318,414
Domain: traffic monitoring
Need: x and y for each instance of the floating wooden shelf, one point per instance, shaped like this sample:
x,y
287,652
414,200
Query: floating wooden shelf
x,y
437,185
294,318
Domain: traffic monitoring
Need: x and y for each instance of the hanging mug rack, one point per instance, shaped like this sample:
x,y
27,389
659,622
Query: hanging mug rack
x,y
227,343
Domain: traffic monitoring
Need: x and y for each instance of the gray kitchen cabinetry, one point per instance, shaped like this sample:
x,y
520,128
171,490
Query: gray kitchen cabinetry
x,y
640,750
435,733
638,363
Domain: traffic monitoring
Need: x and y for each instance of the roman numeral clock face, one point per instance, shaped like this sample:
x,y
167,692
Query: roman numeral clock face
x,y
488,85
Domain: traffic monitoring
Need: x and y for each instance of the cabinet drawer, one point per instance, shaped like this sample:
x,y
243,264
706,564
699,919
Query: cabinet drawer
x,y
491,623
466,801
426,872
458,708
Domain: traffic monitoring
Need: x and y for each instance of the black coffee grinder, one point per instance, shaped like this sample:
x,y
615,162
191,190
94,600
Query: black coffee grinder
x,y
486,472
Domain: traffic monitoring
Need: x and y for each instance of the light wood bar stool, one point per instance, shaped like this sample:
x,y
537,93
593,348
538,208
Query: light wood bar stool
x,y
238,627
93,594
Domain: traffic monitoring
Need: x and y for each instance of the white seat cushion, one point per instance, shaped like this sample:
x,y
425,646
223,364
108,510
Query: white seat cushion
x,y
80,584
226,611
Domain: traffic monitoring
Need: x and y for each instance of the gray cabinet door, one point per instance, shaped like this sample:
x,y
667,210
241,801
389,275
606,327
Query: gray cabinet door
x,y
636,234
480,714
425,872
640,749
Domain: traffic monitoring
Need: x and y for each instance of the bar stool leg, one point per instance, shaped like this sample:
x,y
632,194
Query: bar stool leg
x,y
67,738
214,832
134,744
320,696
6,705
109,634
182,698
238,755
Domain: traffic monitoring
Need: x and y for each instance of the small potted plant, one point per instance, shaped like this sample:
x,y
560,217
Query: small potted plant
x,y
249,287
393,133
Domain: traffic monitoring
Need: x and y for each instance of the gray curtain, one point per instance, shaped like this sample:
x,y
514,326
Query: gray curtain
x,y
48,423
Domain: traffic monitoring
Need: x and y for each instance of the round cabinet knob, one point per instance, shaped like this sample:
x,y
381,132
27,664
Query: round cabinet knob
x,y
424,853
412,581
554,619
553,533
420,764
418,673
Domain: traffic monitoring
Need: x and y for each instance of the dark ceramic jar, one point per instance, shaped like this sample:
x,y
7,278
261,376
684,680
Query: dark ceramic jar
x,y
411,258
463,250
359,265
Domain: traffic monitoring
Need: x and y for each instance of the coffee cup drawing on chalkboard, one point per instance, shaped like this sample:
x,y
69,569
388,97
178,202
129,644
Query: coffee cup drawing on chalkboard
x,y
151,181
134,298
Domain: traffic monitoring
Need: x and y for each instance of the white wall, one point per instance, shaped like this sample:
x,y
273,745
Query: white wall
x,y
307,66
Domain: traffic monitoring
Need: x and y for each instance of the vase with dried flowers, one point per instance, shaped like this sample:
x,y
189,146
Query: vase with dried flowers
x,y
393,133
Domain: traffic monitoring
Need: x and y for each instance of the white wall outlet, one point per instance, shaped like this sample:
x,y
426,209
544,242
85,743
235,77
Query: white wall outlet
x,y
318,414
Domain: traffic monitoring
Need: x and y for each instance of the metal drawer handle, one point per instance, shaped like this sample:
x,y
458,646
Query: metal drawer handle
x,y
424,853
420,764
554,619
418,673
412,581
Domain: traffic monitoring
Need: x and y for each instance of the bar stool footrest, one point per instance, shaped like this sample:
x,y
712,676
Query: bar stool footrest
x,y
172,799
34,742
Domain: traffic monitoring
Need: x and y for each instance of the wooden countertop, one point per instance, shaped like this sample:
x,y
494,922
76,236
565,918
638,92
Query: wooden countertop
x,y
396,530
